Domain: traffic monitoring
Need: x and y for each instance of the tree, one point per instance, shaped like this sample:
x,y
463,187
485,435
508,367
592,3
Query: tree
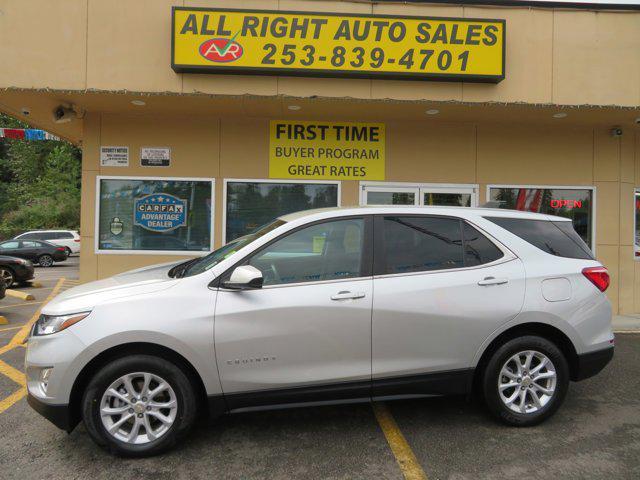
x,y
39,183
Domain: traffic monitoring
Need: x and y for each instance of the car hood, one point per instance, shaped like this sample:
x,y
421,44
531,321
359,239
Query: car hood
x,y
135,282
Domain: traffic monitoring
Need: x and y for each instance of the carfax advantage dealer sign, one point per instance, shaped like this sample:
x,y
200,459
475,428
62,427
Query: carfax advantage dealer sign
x,y
319,44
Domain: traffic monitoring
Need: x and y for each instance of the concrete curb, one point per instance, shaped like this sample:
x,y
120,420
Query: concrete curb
x,y
626,323
20,295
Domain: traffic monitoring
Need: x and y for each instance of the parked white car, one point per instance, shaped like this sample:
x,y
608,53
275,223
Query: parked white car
x,y
69,239
338,304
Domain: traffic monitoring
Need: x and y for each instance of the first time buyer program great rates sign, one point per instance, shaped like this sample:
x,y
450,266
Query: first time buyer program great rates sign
x,y
326,150
208,40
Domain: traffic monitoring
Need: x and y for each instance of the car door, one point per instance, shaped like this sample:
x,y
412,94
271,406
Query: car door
x,y
30,249
441,288
306,334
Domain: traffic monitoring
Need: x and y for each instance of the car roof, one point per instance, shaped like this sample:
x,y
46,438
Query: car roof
x,y
321,213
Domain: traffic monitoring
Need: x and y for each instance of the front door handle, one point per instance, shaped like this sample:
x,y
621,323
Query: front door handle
x,y
346,295
493,281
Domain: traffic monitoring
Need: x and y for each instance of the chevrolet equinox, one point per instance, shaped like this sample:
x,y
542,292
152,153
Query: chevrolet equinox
x,y
340,304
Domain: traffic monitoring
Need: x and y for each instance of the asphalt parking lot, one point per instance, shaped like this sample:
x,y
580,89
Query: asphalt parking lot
x,y
596,434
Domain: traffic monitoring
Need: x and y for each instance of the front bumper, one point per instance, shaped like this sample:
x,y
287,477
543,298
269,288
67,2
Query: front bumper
x,y
59,415
592,363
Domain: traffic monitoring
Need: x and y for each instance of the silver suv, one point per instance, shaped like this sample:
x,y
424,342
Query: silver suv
x,y
327,305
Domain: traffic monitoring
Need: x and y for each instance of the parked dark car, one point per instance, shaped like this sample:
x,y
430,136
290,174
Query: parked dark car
x,y
14,270
38,251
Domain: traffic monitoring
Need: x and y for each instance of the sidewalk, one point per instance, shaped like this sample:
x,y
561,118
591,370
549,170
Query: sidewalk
x,y
626,323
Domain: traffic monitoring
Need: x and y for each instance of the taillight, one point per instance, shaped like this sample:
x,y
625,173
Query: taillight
x,y
76,240
599,276
60,249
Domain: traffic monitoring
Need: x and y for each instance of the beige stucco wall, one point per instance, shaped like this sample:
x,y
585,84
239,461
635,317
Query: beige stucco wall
x,y
427,152
570,57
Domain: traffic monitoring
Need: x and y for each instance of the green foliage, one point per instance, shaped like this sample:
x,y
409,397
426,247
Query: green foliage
x,y
39,184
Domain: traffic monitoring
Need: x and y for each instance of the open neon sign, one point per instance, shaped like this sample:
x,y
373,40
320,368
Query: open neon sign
x,y
557,203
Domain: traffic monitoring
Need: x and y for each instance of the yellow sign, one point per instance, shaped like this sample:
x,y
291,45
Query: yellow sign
x,y
317,44
326,150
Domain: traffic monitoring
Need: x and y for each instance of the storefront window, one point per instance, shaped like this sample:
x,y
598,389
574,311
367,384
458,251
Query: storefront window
x,y
447,199
158,214
636,248
253,204
573,203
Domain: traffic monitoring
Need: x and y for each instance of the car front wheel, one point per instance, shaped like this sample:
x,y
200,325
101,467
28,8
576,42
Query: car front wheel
x,y
139,406
526,381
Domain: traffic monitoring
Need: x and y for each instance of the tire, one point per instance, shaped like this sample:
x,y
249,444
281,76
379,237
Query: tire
x,y
181,391
45,260
7,276
549,390
68,251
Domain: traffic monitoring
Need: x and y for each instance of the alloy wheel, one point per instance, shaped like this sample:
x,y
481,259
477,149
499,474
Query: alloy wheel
x,y
527,382
45,261
138,408
6,277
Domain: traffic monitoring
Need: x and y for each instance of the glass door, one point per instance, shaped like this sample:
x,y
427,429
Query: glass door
x,y
390,195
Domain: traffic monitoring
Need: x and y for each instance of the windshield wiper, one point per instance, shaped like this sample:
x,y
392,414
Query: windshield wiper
x,y
179,270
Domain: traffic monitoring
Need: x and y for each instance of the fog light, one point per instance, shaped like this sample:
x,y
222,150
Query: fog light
x,y
45,373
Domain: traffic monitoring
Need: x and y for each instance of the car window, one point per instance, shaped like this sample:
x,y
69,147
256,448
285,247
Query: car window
x,y
478,249
64,235
49,236
30,244
416,244
557,238
8,245
326,251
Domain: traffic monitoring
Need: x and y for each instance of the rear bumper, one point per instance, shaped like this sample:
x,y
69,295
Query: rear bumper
x,y
590,364
59,415
23,272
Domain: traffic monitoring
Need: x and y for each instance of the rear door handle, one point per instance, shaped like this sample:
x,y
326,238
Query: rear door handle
x,y
345,295
493,281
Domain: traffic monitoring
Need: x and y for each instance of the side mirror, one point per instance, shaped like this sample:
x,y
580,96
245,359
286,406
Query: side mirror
x,y
244,277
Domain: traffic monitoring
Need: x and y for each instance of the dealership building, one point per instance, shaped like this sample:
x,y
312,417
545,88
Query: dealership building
x,y
199,123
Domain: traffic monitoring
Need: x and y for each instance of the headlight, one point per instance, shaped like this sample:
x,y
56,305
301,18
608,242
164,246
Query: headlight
x,y
48,324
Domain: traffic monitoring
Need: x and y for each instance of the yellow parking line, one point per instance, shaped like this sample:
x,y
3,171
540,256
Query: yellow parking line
x,y
626,331
405,457
19,337
10,328
13,373
11,399
20,304
3,320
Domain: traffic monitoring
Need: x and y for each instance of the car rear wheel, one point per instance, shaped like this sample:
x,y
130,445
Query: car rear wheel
x,y
45,260
139,406
526,381
7,277
68,251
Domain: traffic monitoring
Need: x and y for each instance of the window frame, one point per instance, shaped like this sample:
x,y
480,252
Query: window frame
x,y
191,253
367,255
636,195
226,181
456,188
379,261
559,187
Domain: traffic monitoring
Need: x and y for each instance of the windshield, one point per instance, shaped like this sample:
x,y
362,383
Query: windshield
x,y
202,264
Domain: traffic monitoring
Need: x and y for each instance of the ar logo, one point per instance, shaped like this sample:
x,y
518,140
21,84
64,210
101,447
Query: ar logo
x,y
221,50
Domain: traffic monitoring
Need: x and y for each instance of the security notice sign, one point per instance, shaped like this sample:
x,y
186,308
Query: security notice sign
x,y
114,156
318,44
326,150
